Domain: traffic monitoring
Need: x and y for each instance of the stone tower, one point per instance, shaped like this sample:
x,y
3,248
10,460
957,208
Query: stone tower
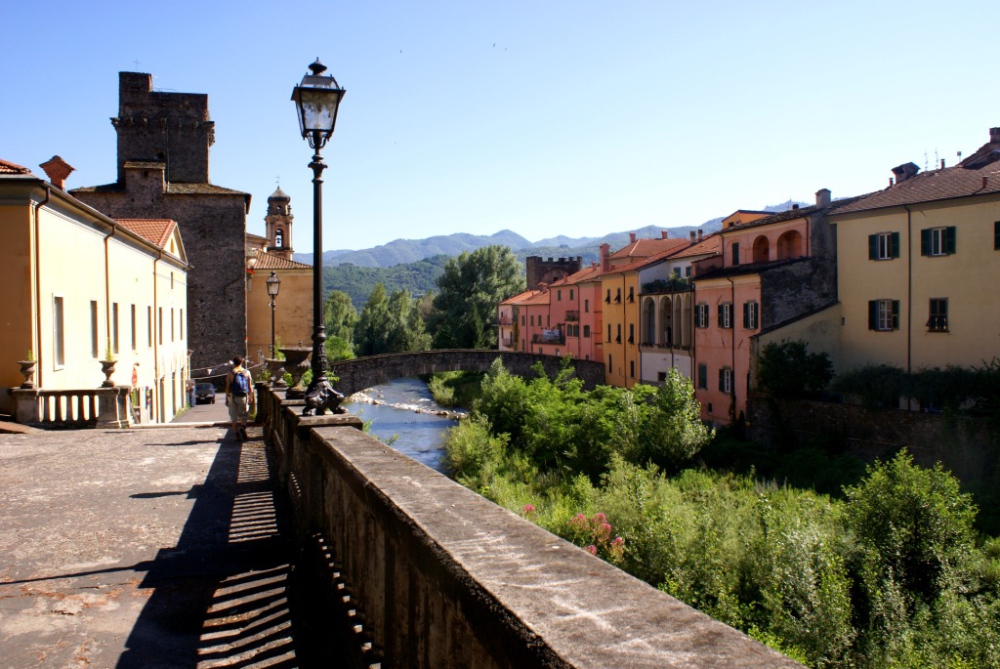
x,y
538,271
279,224
163,145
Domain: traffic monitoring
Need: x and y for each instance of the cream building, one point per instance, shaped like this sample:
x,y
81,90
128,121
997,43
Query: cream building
x,y
918,267
86,289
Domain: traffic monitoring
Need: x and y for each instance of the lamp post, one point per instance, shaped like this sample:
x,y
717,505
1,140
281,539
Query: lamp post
x,y
317,99
273,284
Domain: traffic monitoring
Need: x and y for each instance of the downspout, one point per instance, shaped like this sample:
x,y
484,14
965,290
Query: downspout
x,y
732,338
909,287
156,338
38,291
107,288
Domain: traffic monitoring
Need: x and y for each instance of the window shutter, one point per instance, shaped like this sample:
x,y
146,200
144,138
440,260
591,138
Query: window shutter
x,y
949,239
925,242
895,245
720,315
872,315
746,315
872,247
895,314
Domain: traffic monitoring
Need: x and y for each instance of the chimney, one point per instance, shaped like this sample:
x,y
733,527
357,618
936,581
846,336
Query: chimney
x,y
605,265
994,135
905,171
631,237
942,163
693,236
663,234
795,206
700,232
823,197
57,170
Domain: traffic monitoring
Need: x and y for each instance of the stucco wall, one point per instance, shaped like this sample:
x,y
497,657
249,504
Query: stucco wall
x,y
293,315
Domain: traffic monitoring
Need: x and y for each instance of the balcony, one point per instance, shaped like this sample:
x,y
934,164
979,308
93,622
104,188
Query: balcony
x,y
667,286
549,337
572,316
505,320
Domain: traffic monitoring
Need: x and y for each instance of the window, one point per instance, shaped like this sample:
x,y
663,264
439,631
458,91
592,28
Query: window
x,y
571,294
631,368
532,320
609,334
95,348
134,346
586,331
938,321
618,295
937,241
883,246
631,334
703,376
558,296
58,331
736,253
751,315
883,315
607,298
609,363
279,238
726,315
618,338
996,235
631,293
586,306
114,327
661,377
522,321
149,325
726,380
687,271
701,315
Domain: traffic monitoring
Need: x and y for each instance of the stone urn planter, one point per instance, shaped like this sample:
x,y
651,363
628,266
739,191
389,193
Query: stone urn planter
x,y
108,367
296,364
28,370
277,369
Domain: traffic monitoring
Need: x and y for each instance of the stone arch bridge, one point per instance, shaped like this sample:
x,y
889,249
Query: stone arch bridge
x,y
360,373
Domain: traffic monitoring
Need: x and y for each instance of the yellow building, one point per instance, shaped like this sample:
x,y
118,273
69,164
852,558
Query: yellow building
x,y
918,267
87,289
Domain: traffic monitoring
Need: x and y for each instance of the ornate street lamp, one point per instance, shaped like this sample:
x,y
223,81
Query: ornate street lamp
x,y
317,100
273,284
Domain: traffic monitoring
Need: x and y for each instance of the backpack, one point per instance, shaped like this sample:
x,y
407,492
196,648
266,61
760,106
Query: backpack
x,y
240,386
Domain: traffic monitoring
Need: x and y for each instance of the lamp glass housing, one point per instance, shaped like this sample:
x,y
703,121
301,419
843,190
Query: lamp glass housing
x,y
273,284
317,100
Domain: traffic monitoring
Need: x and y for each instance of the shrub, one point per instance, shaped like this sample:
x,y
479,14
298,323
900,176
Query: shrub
x,y
877,386
787,369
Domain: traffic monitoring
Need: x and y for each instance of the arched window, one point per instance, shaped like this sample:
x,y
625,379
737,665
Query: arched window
x,y
761,249
649,313
666,338
790,245
279,238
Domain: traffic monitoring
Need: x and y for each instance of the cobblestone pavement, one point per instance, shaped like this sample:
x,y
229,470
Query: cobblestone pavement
x,y
143,548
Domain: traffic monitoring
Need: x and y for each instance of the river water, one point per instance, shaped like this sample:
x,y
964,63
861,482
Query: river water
x,y
404,409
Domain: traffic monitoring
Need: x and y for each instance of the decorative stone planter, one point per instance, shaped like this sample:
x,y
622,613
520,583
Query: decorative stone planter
x,y
277,369
297,364
108,367
28,370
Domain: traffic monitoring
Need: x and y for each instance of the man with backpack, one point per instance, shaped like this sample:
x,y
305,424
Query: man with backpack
x,y
239,397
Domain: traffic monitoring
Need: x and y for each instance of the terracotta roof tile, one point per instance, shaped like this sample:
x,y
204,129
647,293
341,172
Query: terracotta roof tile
x,y
644,248
944,184
517,299
268,261
156,230
12,168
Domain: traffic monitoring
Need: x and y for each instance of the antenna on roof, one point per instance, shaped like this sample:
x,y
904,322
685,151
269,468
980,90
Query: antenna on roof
x,y
925,161
937,159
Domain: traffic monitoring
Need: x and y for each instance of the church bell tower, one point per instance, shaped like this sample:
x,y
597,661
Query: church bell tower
x,y
279,224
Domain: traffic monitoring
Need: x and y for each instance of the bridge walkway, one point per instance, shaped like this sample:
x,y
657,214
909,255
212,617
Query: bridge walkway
x,y
149,548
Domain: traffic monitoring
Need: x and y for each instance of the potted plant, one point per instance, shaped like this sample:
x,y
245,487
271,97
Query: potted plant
x,y
28,370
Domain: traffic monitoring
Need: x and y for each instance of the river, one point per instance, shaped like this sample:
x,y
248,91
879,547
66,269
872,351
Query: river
x,y
405,409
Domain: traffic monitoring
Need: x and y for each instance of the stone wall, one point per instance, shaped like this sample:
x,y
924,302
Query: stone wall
x,y
538,271
434,576
965,446
361,373
795,289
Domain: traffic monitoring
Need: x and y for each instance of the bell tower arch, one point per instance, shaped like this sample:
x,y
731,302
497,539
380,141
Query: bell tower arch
x,y
279,224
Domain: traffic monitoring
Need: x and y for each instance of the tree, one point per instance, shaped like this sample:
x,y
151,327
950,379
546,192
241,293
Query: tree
x,y
371,333
339,318
390,324
788,369
472,286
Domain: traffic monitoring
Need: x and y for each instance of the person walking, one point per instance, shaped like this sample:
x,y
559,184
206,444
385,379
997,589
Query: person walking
x,y
239,397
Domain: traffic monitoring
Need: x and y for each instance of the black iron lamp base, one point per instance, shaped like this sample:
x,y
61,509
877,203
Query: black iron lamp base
x,y
320,397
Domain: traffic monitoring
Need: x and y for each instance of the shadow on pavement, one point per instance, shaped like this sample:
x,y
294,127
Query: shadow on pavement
x,y
226,594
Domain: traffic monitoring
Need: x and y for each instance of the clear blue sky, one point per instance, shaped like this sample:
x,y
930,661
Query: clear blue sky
x,y
545,118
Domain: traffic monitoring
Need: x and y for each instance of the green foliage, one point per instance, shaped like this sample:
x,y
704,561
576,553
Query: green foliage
x,y
877,386
456,389
417,278
389,324
787,369
469,290
339,319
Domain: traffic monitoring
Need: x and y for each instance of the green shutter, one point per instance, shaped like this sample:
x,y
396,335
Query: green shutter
x,y
872,315
895,314
872,247
925,242
949,239
895,245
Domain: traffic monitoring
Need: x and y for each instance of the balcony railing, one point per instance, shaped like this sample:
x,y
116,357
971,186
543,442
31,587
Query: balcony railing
x,y
549,337
572,316
86,407
505,320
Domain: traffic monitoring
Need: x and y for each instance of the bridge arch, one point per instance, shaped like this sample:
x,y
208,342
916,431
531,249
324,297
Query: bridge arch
x,y
360,373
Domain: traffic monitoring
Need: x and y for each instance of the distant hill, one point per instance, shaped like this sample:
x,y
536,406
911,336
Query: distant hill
x,y
417,277
403,251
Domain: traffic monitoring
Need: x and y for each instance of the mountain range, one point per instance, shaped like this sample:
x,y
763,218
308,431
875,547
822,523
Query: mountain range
x,y
404,251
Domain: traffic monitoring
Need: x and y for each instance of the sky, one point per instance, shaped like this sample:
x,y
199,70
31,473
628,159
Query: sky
x,y
544,117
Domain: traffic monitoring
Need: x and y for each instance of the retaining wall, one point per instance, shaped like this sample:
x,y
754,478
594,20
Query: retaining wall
x,y
436,576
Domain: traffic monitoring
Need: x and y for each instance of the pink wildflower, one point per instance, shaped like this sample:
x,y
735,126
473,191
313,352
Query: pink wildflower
x,y
528,509
592,549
